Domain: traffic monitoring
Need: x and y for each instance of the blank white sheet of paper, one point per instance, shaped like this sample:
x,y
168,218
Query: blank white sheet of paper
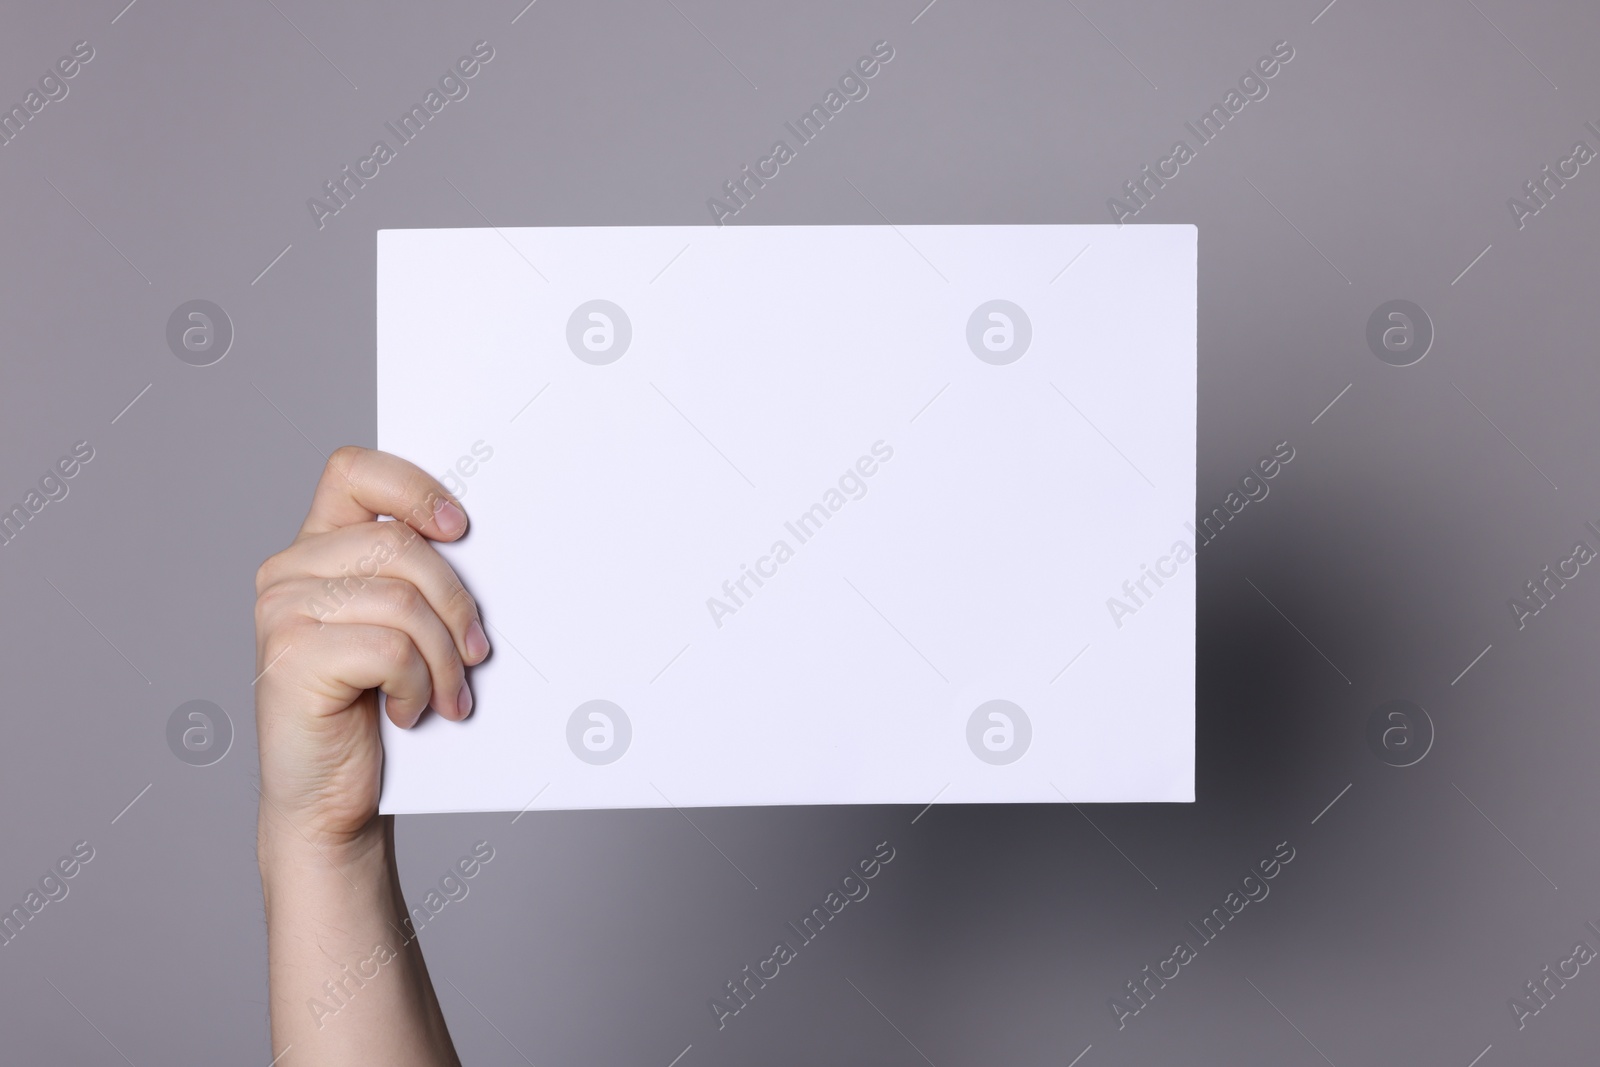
x,y
804,514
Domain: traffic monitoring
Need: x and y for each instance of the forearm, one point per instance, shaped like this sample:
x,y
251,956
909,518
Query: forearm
x,y
348,982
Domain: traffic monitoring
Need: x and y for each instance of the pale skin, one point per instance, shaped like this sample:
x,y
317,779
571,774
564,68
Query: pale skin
x,y
396,619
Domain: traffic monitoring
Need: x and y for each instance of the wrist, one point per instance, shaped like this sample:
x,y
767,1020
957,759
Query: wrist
x,y
292,860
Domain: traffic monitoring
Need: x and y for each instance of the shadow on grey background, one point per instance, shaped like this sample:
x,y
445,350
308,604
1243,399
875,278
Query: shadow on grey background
x,y
1378,167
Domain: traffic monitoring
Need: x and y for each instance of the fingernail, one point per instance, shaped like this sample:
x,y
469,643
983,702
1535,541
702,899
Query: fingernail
x,y
451,519
477,642
464,701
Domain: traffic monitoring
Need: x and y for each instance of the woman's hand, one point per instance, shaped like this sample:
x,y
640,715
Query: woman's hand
x,y
352,607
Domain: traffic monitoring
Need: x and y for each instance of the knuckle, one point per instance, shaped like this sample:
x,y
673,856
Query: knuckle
x,y
269,607
422,501
275,644
341,470
393,649
268,572
286,604
397,538
341,458
295,613
461,601
401,599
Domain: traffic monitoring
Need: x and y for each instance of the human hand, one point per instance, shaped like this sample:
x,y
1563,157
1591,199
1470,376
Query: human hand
x,y
351,607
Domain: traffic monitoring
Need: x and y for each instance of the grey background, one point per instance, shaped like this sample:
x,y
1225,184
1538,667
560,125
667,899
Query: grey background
x,y
1378,168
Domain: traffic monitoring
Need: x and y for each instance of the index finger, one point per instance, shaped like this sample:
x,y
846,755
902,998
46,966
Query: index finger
x,y
359,484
